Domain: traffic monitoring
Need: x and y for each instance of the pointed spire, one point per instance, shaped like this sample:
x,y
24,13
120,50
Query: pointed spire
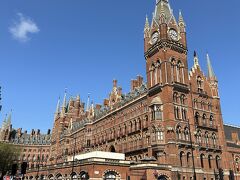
x,y
210,69
57,108
146,27
78,98
181,20
88,102
9,120
64,103
162,8
196,61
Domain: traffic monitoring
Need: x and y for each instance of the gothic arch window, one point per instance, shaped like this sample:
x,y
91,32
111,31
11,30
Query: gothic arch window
x,y
211,120
186,134
175,97
160,70
204,119
184,114
181,158
218,162
182,99
179,132
199,136
210,161
206,138
197,118
199,82
173,69
188,158
176,112
214,139
202,156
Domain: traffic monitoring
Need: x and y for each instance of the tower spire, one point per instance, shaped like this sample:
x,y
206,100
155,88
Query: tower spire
x,y
64,103
88,102
196,61
57,108
181,20
211,73
146,27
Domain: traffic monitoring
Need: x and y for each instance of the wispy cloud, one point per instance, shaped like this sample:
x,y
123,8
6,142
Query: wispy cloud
x,y
22,27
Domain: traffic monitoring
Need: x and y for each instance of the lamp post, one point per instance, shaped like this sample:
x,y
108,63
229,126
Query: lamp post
x,y
0,98
74,152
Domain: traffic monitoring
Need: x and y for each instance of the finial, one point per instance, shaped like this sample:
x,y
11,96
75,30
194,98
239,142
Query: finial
x,y
57,108
196,62
146,27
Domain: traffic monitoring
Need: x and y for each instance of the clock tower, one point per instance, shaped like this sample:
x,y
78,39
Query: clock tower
x,y
165,47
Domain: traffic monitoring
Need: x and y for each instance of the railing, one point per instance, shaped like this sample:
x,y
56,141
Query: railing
x,y
206,125
210,146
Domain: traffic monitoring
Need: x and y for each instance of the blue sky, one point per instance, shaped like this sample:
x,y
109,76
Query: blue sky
x,y
83,45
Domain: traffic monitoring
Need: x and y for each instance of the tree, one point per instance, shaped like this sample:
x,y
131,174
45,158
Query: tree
x,y
8,156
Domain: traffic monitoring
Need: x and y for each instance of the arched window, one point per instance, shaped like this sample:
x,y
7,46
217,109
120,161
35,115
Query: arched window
x,y
214,139
199,82
210,161
181,158
204,118
202,160
199,136
188,158
184,114
206,138
179,132
175,97
186,134
211,121
218,162
111,175
182,99
197,118
176,112
84,175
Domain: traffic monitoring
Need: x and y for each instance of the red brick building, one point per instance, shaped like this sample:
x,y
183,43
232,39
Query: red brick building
x,y
170,127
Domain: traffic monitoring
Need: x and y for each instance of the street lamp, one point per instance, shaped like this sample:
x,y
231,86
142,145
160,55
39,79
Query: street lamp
x,y
74,152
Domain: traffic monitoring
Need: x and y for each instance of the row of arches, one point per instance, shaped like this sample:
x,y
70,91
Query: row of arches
x,y
210,162
182,133
121,130
204,120
83,175
206,138
158,71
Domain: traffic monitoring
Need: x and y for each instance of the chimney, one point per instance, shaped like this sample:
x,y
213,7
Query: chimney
x,y
33,132
235,137
106,102
140,80
98,106
119,91
114,83
48,132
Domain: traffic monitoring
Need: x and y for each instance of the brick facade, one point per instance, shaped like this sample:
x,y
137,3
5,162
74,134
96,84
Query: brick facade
x,y
170,127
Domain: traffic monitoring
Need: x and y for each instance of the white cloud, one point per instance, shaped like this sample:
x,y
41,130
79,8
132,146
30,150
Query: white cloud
x,y
21,28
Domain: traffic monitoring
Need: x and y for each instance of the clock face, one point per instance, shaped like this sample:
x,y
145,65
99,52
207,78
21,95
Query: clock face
x,y
173,34
154,37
